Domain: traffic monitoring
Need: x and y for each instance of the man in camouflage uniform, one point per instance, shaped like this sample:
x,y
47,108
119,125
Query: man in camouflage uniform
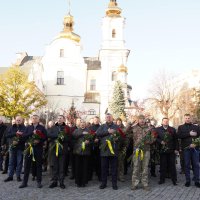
x,y
140,163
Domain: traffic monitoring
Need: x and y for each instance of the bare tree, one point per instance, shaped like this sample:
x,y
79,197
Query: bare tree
x,y
163,94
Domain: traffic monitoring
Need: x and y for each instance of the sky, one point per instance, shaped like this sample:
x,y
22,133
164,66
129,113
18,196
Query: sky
x,y
161,34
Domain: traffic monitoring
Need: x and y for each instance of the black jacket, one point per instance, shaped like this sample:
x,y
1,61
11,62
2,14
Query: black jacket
x,y
2,131
172,141
54,132
11,134
184,134
29,132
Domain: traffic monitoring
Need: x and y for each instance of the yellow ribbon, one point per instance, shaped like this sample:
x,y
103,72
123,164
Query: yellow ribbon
x,y
57,146
31,152
139,152
110,147
83,146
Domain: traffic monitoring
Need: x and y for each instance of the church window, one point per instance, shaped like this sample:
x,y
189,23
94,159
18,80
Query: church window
x,y
60,77
113,33
92,84
61,53
114,76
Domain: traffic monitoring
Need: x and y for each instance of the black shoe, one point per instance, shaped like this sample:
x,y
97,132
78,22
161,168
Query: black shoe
x,y
8,179
39,185
71,177
19,179
23,185
62,185
4,172
53,185
187,184
197,184
161,182
115,187
102,186
174,182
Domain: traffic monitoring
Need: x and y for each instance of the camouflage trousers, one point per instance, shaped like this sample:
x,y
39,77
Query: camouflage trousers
x,y
140,169
121,157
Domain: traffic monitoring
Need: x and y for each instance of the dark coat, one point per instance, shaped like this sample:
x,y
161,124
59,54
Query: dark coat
x,y
11,134
103,134
2,130
54,132
172,143
79,138
29,132
184,134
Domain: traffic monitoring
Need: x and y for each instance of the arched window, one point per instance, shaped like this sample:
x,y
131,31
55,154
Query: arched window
x,y
114,76
113,33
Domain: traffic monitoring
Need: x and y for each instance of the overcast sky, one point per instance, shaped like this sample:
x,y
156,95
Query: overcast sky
x,y
161,34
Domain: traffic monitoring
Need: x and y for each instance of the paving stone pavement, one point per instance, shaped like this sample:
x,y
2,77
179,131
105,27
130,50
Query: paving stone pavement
x,y
10,191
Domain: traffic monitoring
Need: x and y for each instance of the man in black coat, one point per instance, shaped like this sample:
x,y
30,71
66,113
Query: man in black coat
x,y
95,161
187,132
109,154
58,158
2,132
168,146
37,150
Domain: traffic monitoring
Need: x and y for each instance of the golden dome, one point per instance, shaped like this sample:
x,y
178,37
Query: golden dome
x,y
69,35
112,9
68,29
122,68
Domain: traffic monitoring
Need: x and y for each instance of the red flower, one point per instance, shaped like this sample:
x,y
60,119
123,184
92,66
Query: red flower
x,y
121,132
40,134
67,130
170,131
92,132
155,134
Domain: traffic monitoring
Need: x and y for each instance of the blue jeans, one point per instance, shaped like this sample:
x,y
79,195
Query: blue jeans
x,y
191,157
15,162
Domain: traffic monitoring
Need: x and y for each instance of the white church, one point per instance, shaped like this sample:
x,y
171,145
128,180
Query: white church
x,y
66,77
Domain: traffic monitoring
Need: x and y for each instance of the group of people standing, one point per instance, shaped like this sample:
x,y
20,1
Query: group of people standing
x,y
100,148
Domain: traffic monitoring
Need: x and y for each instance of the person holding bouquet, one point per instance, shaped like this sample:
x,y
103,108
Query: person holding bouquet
x,y
95,161
83,139
168,146
36,135
187,132
142,138
15,136
109,142
59,136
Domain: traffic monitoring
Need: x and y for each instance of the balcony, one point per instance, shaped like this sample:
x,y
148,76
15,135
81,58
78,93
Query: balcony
x,y
92,97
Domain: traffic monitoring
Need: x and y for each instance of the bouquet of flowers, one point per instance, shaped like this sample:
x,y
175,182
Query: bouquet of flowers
x,y
149,138
196,142
166,139
37,136
111,140
15,140
88,136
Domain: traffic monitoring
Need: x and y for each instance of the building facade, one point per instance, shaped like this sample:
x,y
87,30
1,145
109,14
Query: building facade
x,y
66,77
